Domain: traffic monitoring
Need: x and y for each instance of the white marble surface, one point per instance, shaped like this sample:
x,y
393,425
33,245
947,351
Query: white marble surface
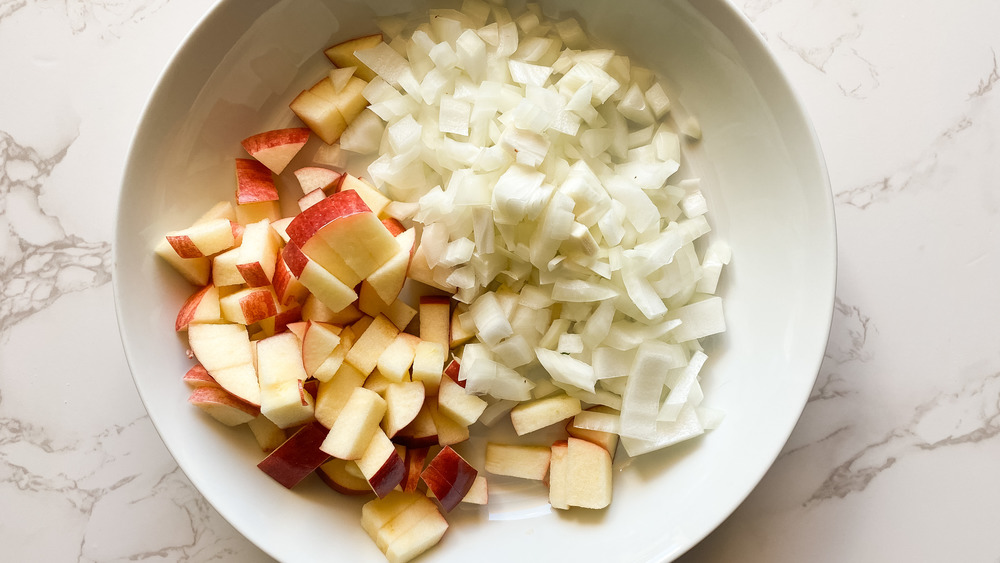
x,y
895,458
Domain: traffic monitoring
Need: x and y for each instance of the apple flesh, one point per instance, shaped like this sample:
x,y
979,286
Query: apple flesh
x,y
198,271
354,427
525,462
201,306
248,305
534,415
588,474
297,457
223,406
428,363
458,405
369,194
403,402
276,148
198,376
435,319
607,440
224,350
449,477
333,394
381,465
202,239
267,433
339,476
283,398
366,351
403,524
258,254
342,54
395,360
312,178
557,475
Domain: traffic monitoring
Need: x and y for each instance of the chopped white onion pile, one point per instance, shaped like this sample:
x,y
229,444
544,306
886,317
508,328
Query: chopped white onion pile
x,y
540,172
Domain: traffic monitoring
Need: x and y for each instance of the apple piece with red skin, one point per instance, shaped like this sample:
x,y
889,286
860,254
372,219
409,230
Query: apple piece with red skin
x,y
258,254
421,432
588,474
248,305
314,310
369,194
458,405
297,457
225,273
222,405
347,225
479,493
320,115
267,433
403,402
310,199
381,465
318,342
395,227
287,288
342,54
287,314
254,183
365,353
334,393
201,306
512,460
452,370
279,226
388,279
395,360
415,459
449,477
331,365
435,319
336,473
197,271
428,363
326,287
225,352
533,415
283,398
202,239
277,147
354,427
298,328
312,178
198,376
403,524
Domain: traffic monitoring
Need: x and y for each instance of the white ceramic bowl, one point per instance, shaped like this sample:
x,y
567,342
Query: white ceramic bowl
x,y
769,195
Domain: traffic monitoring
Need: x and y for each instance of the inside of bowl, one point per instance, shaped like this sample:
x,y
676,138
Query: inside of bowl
x,y
769,198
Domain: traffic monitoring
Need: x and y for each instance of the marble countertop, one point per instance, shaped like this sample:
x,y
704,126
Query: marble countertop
x,y
895,457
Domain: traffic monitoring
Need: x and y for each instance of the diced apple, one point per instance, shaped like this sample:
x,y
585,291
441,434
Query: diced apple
x,y
254,183
458,405
248,305
365,353
355,425
395,360
349,100
344,477
198,376
479,493
414,459
318,342
557,475
225,273
403,402
423,535
435,319
287,288
377,513
286,314
279,226
254,211
369,194
422,272
526,462
198,271
203,239
221,210
588,474
342,54
312,178
381,465
422,431
332,364
310,199
371,304
258,254
428,363
607,440
314,310
202,306
449,431
349,227
297,457
333,394
222,405
340,76
378,382
533,415
224,350
387,281
279,367
449,477
459,333
326,287
276,148
267,433
320,115
395,227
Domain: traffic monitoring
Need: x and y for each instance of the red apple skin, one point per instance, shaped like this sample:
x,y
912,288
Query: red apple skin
x,y
452,370
237,232
449,477
415,460
198,376
392,473
254,182
337,478
299,456
269,139
184,247
189,307
294,258
257,306
336,206
394,226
